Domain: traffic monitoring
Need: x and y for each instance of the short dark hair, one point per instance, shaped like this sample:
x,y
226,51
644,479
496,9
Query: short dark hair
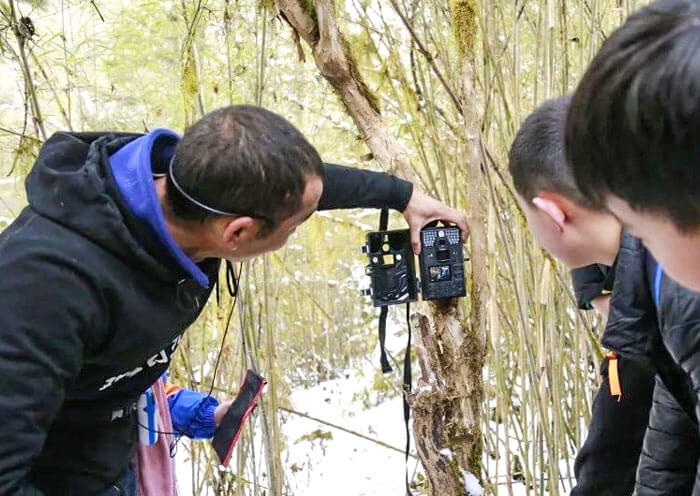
x,y
537,161
244,160
633,128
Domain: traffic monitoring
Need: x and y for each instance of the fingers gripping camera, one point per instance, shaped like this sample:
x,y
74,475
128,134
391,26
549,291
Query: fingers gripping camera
x,y
392,268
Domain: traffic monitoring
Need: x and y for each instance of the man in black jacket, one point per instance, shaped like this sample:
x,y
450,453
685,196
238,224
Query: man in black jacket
x,y
606,464
570,228
117,254
670,312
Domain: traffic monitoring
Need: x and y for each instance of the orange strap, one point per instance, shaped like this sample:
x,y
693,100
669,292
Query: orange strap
x,y
614,376
171,388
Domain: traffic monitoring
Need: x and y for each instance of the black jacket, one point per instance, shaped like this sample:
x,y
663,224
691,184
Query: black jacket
x,y
606,464
669,460
669,457
657,331
665,333
91,310
648,334
590,282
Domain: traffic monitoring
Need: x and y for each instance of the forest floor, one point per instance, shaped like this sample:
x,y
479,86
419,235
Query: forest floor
x,y
321,460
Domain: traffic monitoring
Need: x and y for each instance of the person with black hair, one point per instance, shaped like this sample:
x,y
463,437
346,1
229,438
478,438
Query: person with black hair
x,y
633,132
117,254
626,449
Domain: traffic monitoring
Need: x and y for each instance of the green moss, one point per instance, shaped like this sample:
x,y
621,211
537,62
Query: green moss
x,y
463,18
190,87
356,75
309,8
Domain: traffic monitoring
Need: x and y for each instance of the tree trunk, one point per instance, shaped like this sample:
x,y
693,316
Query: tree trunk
x,y
447,408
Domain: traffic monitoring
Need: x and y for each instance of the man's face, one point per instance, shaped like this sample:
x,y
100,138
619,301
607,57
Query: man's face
x,y
569,242
278,236
679,253
545,231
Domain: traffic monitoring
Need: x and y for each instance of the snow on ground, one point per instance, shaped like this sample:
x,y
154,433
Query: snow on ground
x,y
321,460
346,464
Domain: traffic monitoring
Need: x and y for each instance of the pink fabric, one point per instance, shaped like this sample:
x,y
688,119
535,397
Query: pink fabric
x,y
155,468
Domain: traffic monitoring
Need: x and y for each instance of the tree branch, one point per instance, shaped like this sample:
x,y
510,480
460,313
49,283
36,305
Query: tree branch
x,y
336,64
320,421
428,57
21,37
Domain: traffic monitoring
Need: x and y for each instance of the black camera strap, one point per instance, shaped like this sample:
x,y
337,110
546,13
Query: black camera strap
x,y
383,360
386,366
406,391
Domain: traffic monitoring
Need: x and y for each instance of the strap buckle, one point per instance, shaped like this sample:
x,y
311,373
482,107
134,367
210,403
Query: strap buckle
x,y
123,412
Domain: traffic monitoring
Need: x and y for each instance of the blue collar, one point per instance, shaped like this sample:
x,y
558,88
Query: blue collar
x,y
132,169
658,281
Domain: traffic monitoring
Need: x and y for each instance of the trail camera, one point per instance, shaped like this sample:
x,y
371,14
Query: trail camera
x,y
441,263
392,272
392,269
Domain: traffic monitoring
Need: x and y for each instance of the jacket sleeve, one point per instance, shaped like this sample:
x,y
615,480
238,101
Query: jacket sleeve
x,y
346,187
44,310
667,464
632,321
192,413
588,282
680,316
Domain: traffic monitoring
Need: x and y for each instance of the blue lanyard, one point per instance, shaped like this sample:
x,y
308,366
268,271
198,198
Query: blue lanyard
x,y
658,279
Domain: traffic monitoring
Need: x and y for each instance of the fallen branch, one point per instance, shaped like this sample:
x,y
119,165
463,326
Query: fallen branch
x,y
320,421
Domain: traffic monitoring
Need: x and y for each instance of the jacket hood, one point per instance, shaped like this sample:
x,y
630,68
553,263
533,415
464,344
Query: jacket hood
x,y
72,183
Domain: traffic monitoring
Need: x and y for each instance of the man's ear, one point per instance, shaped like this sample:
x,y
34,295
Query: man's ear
x,y
239,230
551,208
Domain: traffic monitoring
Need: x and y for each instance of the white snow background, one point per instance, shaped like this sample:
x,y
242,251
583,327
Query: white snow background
x,y
347,465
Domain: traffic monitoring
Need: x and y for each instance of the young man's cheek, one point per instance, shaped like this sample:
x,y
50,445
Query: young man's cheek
x,y
550,240
680,258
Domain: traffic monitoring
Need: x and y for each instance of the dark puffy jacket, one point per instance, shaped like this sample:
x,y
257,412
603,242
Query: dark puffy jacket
x,y
91,308
668,316
653,329
606,464
667,465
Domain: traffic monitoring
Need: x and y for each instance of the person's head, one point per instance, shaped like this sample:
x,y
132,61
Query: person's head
x,y
633,132
559,216
247,176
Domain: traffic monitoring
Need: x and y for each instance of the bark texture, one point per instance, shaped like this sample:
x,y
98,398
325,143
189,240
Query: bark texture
x,y
447,404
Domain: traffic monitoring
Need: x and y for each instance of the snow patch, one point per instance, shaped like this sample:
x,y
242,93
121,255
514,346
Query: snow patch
x,y
447,453
471,484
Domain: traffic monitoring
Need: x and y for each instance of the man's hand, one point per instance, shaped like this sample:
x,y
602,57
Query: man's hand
x,y
220,411
422,209
602,305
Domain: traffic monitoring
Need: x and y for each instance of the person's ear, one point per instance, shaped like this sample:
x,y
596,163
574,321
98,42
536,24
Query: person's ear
x,y
239,230
552,210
